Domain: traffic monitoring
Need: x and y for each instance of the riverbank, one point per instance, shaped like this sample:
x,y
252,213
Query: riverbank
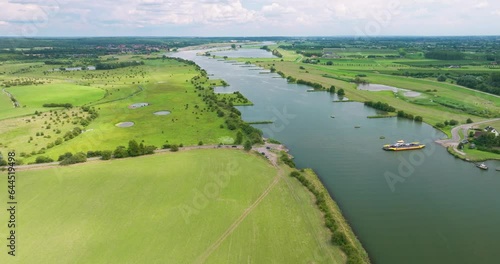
x,y
351,246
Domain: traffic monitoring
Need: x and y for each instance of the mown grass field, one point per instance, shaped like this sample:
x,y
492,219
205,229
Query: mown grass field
x,y
168,208
33,96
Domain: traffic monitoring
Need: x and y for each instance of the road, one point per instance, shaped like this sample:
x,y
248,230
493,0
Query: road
x,y
455,137
267,149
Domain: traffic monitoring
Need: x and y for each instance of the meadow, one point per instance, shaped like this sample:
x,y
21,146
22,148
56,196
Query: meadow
x,y
198,206
165,84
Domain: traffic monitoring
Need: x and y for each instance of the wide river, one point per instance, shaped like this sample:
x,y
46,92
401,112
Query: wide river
x,y
420,206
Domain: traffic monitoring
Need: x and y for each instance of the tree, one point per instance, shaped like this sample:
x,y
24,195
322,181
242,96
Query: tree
x,y
341,92
332,89
120,152
239,138
453,122
247,146
133,149
233,46
329,63
469,121
402,52
418,119
441,78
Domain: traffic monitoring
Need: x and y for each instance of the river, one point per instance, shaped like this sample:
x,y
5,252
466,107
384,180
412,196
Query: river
x,y
421,206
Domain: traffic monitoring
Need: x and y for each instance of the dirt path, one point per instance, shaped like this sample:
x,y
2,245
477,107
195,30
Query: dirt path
x,y
203,257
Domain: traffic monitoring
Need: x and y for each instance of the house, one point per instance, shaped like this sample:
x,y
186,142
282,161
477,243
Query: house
x,y
330,53
491,130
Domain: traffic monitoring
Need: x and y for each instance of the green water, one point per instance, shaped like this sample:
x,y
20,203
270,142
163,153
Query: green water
x,y
421,206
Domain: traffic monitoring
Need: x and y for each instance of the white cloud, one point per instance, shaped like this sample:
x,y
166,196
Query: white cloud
x,y
482,4
263,17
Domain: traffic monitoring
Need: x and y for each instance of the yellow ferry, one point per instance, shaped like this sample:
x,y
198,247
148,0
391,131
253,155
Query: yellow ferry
x,y
401,145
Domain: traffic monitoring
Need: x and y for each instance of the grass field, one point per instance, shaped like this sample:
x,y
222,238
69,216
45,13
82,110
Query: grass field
x,y
164,84
168,208
36,96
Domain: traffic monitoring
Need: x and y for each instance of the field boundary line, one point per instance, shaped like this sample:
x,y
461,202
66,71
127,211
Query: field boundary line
x,y
202,258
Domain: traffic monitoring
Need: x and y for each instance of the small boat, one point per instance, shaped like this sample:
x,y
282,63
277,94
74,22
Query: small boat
x,y
382,137
401,145
332,116
357,126
482,166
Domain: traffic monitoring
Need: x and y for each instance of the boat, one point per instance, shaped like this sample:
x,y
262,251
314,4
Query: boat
x,y
482,166
357,126
401,145
332,116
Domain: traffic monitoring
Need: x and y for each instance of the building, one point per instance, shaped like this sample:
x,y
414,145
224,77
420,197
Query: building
x,y
491,130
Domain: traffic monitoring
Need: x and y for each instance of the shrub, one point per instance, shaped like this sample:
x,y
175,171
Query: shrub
x,y
65,156
106,155
174,148
43,159
120,152
247,146
77,158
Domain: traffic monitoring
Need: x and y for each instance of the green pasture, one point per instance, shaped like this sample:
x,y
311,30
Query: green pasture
x,y
36,96
168,208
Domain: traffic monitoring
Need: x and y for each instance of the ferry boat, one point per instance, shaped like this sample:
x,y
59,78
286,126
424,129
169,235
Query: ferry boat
x,y
401,145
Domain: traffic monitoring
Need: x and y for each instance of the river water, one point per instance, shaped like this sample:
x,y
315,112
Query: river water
x,y
420,206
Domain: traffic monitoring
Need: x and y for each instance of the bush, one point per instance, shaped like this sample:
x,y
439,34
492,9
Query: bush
x,y
469,121
418,119
120,152
441,78
106,154
453,122
65,156
77,158
43,159
200,143
174,148
247,146
286,159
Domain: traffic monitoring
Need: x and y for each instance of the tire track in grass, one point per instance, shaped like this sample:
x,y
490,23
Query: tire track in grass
x,y
203,257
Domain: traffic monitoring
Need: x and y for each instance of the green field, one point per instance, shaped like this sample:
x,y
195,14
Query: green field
x,y
36,96
163,83
199,206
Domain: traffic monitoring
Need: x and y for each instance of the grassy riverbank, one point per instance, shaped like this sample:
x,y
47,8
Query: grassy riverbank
x,y
198,206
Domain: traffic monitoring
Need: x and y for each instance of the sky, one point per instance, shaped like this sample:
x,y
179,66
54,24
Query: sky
x,y
363,18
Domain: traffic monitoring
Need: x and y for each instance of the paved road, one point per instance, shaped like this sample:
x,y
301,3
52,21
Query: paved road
x,y
455,137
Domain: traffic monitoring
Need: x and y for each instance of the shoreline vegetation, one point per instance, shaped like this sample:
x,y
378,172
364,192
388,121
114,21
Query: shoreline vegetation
x,y
342,234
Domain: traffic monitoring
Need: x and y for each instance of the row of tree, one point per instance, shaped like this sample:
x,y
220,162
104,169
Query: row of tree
x,y
116,65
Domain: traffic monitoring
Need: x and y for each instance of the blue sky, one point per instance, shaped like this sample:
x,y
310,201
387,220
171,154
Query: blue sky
x,y
31,18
